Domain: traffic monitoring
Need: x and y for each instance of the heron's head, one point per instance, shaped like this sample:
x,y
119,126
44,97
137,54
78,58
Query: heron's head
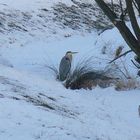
x,y
69,54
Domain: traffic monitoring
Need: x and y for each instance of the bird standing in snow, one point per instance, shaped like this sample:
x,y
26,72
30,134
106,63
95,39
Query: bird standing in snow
x,y
65,65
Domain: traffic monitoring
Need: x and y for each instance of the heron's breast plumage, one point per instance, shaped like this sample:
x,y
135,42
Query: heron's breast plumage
x,y
64,68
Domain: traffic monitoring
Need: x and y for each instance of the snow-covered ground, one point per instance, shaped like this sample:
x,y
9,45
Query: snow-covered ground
x,y
34,105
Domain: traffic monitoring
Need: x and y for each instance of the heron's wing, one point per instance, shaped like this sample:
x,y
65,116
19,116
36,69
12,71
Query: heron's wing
x,y
64,68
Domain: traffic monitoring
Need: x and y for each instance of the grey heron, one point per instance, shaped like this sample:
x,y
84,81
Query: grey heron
x,y
65,65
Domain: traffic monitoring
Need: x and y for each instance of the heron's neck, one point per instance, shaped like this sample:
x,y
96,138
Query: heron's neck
x,y
69,56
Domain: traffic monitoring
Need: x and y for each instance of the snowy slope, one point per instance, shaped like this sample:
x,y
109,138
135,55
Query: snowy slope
x,y
33,104
97,114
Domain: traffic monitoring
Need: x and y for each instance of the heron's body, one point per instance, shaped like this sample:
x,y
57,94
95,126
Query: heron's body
x,y
65,66
64,69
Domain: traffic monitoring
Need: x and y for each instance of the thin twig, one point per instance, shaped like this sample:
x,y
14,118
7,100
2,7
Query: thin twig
x,y
120,56
135,5
135,64
126,71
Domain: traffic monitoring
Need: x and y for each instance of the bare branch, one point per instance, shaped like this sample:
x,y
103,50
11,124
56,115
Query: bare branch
x,y
122,11
138,5
133,19
135,4
120,56
112,5
135,64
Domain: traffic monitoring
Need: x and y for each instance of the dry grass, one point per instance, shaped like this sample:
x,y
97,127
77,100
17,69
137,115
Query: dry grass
x,y
54,69
85,76
127,84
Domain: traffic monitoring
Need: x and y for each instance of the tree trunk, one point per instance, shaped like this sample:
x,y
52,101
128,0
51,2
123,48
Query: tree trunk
x,y
133,19
124,30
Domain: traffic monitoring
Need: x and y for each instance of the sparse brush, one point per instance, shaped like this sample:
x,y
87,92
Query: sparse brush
x,y
38,101
128,84
54,69
85,76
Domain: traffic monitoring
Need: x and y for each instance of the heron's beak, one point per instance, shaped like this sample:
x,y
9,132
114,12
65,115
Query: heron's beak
x,y
74,52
